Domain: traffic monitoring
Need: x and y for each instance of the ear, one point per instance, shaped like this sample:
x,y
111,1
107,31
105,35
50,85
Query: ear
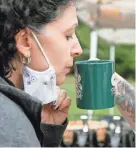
x,y
22,42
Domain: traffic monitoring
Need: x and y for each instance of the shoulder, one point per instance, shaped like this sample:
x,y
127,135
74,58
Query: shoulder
x,y
15,127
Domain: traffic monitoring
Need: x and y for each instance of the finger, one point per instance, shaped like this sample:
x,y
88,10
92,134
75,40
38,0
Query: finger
x,y
58,90
66,103
62,96
55,103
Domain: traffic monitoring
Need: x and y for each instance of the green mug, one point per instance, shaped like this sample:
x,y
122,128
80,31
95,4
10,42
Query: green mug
x,y
93,84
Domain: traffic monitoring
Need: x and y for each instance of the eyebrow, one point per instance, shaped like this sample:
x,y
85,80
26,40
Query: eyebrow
x,y
72,27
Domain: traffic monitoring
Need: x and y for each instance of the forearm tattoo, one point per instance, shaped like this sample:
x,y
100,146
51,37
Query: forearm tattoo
x,y
124,95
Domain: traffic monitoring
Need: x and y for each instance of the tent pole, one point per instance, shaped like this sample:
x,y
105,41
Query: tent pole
x,y
112,57
93,56
93,44
112,52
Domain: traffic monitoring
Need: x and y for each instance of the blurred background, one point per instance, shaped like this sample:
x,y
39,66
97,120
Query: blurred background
x,y
106,31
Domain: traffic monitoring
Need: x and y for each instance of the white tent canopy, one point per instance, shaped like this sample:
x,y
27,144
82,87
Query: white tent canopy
x,y
112,20
108,14
119,36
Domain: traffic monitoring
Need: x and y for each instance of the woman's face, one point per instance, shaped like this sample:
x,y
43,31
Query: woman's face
x,y
60,44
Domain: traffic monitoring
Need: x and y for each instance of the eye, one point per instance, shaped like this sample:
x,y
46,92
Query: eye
x,y
69,37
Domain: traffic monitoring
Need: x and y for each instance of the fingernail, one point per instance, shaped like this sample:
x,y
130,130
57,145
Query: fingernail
x,y
54,102
55,107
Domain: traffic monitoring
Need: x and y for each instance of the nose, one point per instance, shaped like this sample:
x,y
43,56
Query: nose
x,y
76,49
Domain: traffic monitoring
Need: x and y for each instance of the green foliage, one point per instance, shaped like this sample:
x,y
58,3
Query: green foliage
x,y
125,54
125,61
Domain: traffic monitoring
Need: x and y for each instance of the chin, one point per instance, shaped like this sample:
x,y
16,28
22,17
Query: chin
x,y
60,79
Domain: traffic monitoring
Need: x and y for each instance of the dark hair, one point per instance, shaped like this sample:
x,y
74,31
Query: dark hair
x,y
18,14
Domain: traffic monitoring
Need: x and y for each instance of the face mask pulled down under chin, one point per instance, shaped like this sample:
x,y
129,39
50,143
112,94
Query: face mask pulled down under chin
x,y
41,85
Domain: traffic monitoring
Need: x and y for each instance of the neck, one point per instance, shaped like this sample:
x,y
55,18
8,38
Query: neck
x,y
16,79
16,76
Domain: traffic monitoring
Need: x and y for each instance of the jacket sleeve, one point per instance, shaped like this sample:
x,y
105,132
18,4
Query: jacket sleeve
x,y
52,134
15,128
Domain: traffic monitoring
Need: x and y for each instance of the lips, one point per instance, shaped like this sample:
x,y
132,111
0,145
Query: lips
x,y
67,70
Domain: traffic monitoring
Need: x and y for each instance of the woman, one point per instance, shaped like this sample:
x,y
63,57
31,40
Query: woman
x,y
37,47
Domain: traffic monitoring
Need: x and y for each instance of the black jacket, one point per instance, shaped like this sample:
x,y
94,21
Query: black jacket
x,y
20,120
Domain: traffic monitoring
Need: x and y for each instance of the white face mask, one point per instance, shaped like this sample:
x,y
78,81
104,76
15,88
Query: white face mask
x,y
41,85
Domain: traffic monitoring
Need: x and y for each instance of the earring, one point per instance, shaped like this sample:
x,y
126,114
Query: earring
x,y
26,60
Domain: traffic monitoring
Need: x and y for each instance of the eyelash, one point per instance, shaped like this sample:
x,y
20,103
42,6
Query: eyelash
x,y
69,37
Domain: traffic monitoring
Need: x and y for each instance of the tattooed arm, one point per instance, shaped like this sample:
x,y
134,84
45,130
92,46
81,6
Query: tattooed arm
x,y
125,98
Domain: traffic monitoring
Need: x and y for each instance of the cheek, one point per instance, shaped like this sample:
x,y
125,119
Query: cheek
x,y
57,49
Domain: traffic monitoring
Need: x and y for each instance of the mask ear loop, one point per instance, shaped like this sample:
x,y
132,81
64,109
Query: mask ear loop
x,y
35,37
